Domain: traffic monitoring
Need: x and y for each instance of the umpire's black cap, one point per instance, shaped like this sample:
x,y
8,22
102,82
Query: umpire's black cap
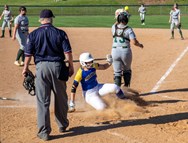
x,y
46,13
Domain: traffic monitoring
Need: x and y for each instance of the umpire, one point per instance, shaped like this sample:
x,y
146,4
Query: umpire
x,y
49,46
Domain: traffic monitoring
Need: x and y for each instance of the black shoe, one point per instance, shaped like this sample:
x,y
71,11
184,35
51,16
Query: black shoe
x,y
44,137
62,129
2,36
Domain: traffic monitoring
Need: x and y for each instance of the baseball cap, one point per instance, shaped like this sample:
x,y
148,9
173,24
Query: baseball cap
x,y
6,6
46,13
22,8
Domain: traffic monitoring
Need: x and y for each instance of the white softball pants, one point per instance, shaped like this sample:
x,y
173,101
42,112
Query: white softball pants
x,y
6,23
93,96
22,39
173,24
142,16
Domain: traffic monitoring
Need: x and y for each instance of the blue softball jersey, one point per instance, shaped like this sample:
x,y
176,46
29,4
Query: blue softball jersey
x,y
88,78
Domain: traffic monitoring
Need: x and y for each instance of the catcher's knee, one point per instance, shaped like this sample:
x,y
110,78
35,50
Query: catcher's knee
x,y
98,105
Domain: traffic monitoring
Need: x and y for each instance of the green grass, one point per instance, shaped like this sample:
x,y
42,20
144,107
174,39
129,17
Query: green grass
x,y
107,21
96,16
83,2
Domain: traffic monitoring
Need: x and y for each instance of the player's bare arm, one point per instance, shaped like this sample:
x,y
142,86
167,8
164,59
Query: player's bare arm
x,y
136,43
104,66
26,65
14,31
72,97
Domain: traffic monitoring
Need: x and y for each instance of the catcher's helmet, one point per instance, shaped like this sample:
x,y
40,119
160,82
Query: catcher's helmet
x,y
123,17
84,58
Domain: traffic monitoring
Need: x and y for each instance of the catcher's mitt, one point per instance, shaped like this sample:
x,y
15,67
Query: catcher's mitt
x,y
29,83
178,25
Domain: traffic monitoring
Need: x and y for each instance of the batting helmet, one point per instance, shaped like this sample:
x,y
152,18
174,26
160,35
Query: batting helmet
x,y
123,17
84,58
126,8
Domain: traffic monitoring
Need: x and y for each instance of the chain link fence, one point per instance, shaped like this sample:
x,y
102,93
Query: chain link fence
x,y
96,10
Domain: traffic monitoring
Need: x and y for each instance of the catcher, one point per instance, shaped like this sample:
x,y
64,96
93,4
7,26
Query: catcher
x,y
175,21
7,21
92,90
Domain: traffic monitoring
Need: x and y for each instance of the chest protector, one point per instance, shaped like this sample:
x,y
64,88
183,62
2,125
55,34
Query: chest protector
x,y
122,33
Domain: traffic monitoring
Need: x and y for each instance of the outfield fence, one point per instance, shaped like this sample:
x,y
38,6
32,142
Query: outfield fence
x,y
66,10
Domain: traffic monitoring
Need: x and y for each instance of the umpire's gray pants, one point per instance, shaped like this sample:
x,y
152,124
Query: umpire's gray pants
x,y
46,81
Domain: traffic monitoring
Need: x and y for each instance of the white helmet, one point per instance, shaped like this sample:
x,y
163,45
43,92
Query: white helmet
x,y
84,58
117,12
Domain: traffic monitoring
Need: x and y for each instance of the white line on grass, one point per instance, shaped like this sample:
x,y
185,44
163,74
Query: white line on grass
x,y
158,84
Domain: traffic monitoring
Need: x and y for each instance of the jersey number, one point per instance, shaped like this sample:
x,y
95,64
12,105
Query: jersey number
x,y
121,40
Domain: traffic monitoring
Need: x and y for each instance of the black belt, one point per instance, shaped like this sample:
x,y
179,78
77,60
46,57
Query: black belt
x,y
124,47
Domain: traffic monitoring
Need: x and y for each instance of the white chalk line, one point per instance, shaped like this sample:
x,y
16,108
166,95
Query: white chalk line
x,y
16,106
123,137
159,83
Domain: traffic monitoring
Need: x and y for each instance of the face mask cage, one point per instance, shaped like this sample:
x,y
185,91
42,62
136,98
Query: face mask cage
x,y
87,64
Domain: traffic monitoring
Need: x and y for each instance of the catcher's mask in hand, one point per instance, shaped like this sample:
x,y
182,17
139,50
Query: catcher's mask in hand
x,y
29,83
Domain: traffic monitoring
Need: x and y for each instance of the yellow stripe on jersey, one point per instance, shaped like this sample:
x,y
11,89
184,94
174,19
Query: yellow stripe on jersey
x,y
78,76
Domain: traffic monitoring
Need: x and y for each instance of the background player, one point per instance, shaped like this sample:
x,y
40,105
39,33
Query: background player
x,y
142,11
7,21
92,90
175,20
21,32
123,35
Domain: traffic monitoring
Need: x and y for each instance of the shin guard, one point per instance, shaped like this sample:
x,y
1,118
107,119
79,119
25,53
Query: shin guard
x,y
117,80
127,77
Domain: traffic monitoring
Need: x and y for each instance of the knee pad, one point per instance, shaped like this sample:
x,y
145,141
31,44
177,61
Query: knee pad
x,y
127,77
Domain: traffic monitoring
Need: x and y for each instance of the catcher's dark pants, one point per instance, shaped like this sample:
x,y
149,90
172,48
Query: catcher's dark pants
x,y
46,81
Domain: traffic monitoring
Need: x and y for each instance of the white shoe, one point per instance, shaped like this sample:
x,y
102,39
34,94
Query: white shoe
x,y
143,23
17,63
22,63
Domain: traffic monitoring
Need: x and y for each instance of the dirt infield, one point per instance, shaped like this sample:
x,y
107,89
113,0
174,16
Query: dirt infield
x,y
163,120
